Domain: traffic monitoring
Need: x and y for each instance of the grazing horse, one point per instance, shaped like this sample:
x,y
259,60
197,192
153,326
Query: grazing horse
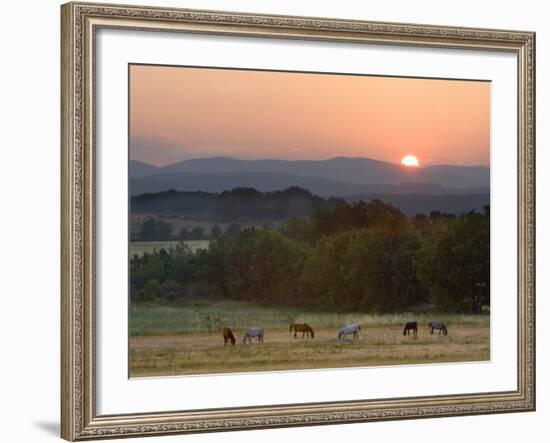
x,y
437,324
228,336
304,328
254,331
349,329
411,326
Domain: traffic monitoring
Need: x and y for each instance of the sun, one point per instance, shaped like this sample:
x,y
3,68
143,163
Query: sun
x,y
410,161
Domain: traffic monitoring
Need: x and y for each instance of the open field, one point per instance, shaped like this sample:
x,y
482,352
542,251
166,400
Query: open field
x,y
140,247
187,340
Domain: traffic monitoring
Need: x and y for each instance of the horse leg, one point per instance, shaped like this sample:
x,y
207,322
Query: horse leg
x,y
295,333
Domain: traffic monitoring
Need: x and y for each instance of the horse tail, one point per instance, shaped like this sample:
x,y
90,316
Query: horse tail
x,y
291,325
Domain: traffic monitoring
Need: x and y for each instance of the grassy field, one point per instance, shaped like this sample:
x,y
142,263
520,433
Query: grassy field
x,y
187,339
140,247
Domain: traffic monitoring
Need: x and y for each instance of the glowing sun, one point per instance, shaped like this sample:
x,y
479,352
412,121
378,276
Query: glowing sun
x,y
411,161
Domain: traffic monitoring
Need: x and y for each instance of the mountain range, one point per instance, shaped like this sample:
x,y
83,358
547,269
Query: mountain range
x,y
339,176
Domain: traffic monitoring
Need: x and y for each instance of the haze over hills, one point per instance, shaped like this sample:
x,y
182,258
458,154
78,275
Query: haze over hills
x,y
141,169
350,171
445,188
270,181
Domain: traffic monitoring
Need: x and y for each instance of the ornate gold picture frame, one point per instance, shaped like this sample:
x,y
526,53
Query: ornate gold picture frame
x,y
80,23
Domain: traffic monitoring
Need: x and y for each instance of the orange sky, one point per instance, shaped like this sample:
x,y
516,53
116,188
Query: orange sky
x,y
178,113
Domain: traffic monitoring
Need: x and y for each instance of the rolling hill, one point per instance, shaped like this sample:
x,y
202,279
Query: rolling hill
x,y
351,170
338,176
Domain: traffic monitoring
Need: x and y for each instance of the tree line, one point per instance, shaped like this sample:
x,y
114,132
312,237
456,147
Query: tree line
x,y
233,205
362,256
154,228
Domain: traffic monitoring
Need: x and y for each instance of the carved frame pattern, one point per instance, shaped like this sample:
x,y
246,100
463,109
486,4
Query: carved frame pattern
x,y
79,23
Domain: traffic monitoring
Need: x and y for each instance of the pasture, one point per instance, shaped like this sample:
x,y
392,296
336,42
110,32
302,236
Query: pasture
x,y
187,339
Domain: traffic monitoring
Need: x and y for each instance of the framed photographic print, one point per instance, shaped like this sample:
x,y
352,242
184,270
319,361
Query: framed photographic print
x,y
277,221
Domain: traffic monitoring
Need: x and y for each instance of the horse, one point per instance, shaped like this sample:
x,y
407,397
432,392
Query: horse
x,y
228,336
304,328
411,326
437,324
254,331
349,329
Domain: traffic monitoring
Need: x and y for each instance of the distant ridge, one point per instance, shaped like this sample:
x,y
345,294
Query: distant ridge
x,y
242,204
141,169
358,170
268,181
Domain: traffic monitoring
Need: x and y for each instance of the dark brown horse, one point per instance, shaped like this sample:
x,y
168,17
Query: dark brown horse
x,y
411,326
304,328
228,336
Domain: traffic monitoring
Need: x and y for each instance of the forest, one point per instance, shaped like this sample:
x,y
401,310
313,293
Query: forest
x,y
364,256
233,205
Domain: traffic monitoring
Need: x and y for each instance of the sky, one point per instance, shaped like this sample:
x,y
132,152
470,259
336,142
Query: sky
x,y
178,113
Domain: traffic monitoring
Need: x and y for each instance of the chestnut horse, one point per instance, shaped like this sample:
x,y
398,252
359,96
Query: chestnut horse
x,y
304,328
228,336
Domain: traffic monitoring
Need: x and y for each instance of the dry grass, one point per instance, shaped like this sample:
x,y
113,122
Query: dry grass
x,y
200,353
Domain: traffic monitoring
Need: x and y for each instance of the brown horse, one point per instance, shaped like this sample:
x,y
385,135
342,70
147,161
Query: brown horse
x,y
228,336
411,326
304,328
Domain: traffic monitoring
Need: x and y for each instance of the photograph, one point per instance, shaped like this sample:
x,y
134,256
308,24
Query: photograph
x,y
290,220
278,218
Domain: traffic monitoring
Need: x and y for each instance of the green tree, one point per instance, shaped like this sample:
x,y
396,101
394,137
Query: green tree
x,y
456,262
183,233
155,229
197,233
233,229
215,231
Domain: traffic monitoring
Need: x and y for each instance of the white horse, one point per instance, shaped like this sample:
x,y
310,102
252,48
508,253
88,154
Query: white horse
x,y
349,329
437,325
254,331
